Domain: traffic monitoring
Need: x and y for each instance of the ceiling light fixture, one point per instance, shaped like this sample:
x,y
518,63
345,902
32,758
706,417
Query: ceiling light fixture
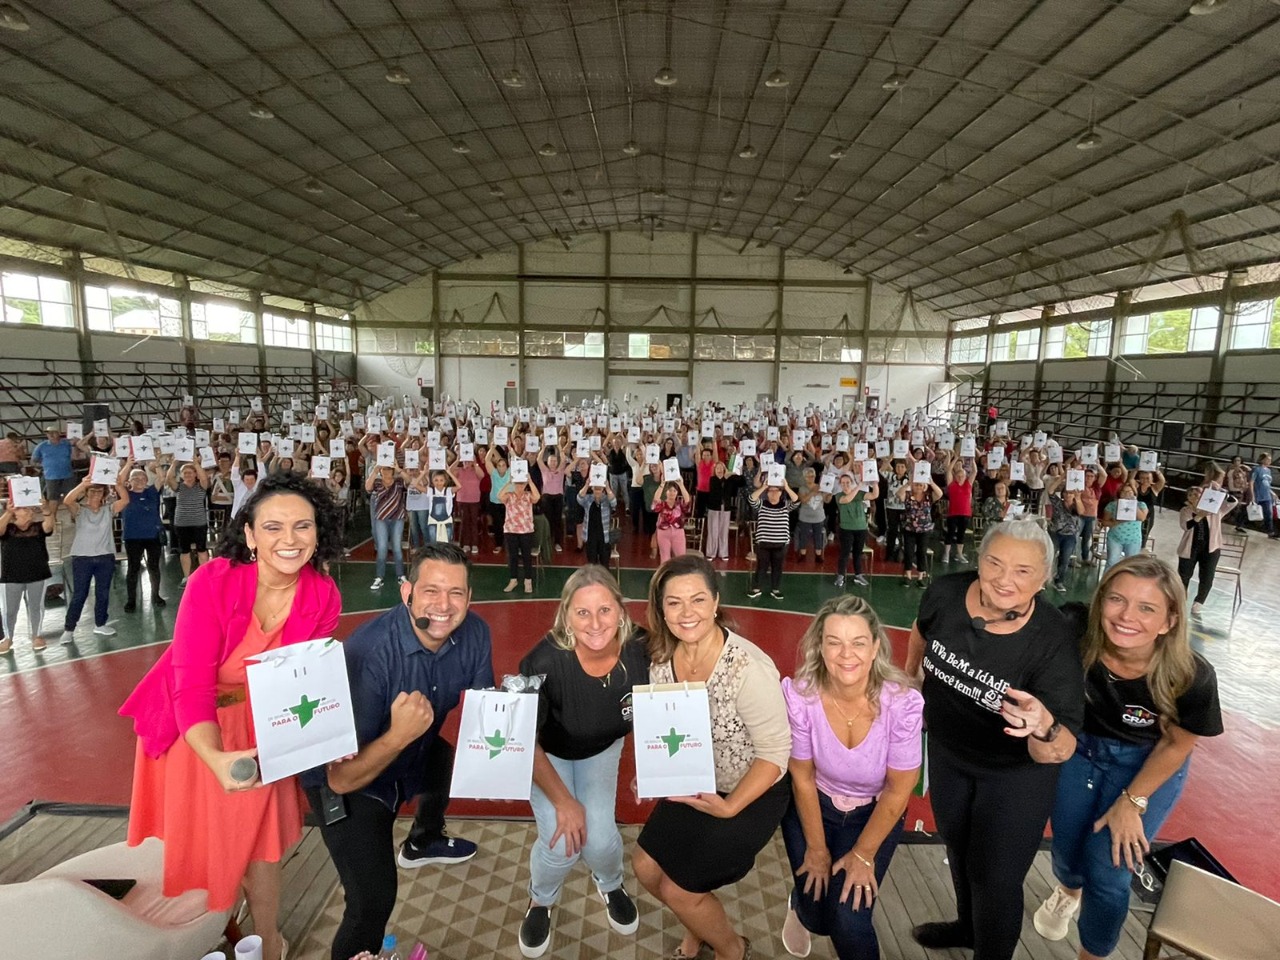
x,y
920,232
495,191
460,147
567,193
748,152
801,195
631,148
777,80
548,149
665,77
728,196
848,269
659,191
894,81
1089,140
313,186
11,18
583,222
1204,7
837,152
396,74
411,214
513,79
260,111
717,226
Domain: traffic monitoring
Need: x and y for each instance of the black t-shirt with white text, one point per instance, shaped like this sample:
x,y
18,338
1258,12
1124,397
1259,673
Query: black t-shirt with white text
x,y
579,715
966,672
1125,710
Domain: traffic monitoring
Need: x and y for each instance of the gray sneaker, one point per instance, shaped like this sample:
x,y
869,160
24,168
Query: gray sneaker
x,y
840,581
861,581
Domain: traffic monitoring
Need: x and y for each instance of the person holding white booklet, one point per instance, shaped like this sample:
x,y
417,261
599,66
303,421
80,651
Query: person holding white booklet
x,y
93,551
1201,543
1123,518
692,846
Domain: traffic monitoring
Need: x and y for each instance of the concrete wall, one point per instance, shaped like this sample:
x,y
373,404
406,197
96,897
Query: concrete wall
x,y
732,381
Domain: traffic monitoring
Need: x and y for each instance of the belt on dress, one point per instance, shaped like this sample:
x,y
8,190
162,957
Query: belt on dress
x,y
231,697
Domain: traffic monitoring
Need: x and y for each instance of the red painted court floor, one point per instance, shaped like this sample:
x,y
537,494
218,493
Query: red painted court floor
x,y
64,741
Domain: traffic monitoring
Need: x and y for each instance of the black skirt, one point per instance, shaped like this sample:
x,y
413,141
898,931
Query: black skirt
x,y
701,853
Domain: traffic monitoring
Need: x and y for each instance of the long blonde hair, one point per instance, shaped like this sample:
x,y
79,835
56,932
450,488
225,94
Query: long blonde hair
x,y
812,678
589,576
1172,668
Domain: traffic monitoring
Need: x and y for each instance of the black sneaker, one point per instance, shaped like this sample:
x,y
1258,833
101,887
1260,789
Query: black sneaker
x,y
157,601
776,594
623,915
535,931
940,936
753,592
130,606
445,850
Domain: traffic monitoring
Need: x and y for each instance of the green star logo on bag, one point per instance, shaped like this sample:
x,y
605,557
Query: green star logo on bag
x,y
673,741
496,743
305,709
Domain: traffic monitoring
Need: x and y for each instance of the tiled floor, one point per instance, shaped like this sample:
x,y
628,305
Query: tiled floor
x,y
65,742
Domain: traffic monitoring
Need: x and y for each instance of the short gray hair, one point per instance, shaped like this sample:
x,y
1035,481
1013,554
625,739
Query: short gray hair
x,y
1028,531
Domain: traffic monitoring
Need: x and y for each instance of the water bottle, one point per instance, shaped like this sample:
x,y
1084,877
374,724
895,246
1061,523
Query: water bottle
x,y
389,951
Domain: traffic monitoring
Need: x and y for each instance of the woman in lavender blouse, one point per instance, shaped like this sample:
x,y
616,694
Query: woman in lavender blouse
x,y
855,758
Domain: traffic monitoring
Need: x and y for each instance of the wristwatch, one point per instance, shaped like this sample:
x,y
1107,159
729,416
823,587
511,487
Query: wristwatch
x,y
1139,802
1050,735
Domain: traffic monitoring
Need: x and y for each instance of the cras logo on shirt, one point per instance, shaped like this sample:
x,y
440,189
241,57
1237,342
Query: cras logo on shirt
x,y
1136,715
304,711
673,742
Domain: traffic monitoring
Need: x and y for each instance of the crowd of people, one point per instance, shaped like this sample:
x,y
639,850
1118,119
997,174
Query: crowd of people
x,y
1083,716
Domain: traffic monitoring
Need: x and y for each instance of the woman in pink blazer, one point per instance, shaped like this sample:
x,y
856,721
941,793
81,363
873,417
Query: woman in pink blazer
x,y
191,710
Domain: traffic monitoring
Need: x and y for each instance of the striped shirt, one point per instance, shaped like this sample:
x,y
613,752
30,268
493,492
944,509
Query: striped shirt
x,y
773,527
191,510
389,502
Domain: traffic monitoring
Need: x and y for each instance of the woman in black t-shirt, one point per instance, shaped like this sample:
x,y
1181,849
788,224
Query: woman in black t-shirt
x,y
24,567
1148,700
1003,700
590,661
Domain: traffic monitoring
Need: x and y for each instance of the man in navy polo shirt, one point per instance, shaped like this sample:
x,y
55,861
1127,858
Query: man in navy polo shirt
x,y
408,668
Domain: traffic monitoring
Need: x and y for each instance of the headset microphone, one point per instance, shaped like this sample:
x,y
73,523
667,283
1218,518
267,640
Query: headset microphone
x,y
981,623
422,623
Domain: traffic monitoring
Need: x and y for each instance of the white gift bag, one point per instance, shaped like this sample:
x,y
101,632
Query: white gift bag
x,y
1211,500
1253,511
673,740
301,702
496,735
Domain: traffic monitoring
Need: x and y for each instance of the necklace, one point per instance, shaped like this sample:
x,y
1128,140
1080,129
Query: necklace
x,y
288,601
848,720
692,670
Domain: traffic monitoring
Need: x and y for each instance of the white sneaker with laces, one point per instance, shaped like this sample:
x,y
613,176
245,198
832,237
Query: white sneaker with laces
x,y
1053,918
105,631
377,584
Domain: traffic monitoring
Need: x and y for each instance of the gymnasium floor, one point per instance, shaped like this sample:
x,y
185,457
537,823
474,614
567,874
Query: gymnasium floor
x,y
64,741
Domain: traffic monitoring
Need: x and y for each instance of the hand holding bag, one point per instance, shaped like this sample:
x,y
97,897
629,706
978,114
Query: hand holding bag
x,y
674,755
496,737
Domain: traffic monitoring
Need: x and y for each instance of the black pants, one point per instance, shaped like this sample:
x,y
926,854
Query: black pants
x,y
363,851
851,544
893,533
769,558
553,510
1208,568
992,820
598,549
520,548
134,550
913,555
636,507
953,532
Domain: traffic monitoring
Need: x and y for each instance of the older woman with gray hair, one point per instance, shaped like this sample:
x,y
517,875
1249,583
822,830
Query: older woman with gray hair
x,y
1003,702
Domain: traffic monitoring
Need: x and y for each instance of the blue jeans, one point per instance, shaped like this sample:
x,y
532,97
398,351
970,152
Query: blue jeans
x,y
1117,551
594,784
1090,783
388,532
1086,537
850,930
1066,549
84,571
419,529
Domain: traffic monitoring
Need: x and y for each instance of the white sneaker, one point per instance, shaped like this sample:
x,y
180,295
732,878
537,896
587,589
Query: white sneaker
x,y
105,631
402,580
1054,916
377,584
67,638
795,938
559,549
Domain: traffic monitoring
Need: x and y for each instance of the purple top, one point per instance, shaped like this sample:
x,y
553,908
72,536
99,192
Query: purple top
x,y
892,743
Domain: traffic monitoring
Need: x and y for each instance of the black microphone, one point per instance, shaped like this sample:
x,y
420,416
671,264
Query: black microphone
x,y
981,623
422,623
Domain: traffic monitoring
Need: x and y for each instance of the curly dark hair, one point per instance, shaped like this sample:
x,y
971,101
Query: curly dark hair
x,y
329,539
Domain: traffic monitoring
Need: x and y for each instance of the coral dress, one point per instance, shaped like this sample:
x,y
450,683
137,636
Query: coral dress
x,y
211,836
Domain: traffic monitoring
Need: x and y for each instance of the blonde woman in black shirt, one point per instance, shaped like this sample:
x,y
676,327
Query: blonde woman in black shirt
x,y
590,661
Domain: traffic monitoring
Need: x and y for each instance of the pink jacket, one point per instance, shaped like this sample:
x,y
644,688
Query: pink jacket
x,y
180,690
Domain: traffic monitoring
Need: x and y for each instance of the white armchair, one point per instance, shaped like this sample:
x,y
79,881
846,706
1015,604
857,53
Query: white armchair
x,y
56,916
